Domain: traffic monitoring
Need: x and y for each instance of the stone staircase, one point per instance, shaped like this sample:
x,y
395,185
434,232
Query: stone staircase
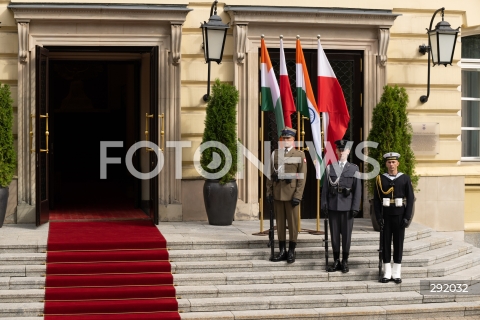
x,y
224,277
224,273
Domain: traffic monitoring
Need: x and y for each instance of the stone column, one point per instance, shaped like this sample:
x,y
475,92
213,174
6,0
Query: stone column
x,y
26,159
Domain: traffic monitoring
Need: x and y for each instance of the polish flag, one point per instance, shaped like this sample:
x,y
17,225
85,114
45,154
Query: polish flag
x,y
285,90
331,101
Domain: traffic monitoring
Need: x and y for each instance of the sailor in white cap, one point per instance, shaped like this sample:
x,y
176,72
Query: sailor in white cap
x,y
393,202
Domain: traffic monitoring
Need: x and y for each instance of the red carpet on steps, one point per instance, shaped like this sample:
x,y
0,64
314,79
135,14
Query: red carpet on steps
x,y
104,270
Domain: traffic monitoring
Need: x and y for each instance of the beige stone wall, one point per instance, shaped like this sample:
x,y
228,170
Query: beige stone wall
x,y
405,67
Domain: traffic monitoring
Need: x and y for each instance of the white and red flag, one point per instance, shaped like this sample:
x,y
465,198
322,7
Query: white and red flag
x,y
331,101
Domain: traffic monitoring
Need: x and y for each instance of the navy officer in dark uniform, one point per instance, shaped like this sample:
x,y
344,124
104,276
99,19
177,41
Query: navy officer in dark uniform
x,y
393,201
342,194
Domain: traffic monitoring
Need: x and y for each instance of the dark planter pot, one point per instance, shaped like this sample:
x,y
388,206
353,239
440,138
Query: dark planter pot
x,y
3,204
220,201
375,225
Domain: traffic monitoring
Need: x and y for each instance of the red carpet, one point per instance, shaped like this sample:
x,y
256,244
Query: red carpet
x,y
106,270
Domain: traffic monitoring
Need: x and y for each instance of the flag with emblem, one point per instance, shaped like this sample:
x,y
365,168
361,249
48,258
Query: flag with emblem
x,y
270,91
307,106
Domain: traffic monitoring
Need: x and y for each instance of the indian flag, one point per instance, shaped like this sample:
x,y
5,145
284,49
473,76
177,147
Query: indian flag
x,y
307,106
270,91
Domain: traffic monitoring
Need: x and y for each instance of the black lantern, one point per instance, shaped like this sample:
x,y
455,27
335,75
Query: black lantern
x,y
214,35
441,44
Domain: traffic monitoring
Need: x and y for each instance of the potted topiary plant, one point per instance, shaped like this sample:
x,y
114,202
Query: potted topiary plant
x,y
8,160
393,133
220,191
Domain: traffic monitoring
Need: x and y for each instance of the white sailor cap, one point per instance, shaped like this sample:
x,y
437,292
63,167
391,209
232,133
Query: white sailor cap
x,y
391,156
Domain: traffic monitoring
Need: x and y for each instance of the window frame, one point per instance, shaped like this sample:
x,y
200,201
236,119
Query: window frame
x,y
469,65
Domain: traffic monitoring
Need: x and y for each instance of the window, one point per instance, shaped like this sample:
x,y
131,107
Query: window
x,y
471,98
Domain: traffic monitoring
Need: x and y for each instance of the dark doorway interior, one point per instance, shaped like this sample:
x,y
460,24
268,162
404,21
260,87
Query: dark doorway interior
x,y
92,101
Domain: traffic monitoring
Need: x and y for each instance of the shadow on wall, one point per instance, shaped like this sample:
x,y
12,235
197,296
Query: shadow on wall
x,y
473,238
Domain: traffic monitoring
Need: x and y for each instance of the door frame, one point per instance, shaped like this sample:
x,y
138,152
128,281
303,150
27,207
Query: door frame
x,y
42,209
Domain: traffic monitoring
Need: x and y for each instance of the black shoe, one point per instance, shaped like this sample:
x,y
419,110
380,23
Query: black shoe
x,y
385,280
282,256
336,266
345,268
397,280
291,252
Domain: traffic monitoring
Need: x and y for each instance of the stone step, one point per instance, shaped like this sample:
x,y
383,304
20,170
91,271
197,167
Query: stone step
x,y
298,302
22,296
304,240
25,246
398,311
22,258
411,248
18,283
434,260
21,309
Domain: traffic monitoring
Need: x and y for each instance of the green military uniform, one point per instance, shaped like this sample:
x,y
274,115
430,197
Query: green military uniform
x,y
286,187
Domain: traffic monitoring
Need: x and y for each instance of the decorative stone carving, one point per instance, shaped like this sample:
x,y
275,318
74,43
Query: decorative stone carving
x,y
240,41
23,41
176,38
383,40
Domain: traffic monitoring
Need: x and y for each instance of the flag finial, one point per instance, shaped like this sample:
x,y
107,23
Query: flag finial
x,y
318,36
298,36
281,36
263,36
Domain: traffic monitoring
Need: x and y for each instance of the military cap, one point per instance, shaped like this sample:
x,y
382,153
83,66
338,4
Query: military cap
x,y
289,132
342,144
391,156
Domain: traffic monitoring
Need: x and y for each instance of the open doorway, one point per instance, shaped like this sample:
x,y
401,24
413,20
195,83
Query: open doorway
x,y
90,98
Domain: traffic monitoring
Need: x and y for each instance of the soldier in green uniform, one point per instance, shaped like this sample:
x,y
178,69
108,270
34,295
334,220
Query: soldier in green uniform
x,y
285,190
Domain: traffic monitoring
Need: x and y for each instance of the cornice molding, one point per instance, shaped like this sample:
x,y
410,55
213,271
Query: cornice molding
x,y
175,14
312,16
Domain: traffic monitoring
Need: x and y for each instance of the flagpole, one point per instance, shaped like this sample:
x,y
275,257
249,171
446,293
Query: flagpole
x,y
261,175
299,148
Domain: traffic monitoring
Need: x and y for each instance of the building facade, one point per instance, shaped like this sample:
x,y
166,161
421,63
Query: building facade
x,y
86,63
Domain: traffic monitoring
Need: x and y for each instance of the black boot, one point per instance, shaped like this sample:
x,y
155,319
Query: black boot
x,y
336,263
282,256
345,268
291,251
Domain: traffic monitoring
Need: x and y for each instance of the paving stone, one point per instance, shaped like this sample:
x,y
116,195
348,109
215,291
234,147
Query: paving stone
x,y
288,314
4,283
35,270
22,258
12,271
17,283
418,311
228,304
187,292
222,315
253,290
471,308
318,288
299,276
308,301
357,313
21,309
197,255
199,279
383,298
19,296
239,278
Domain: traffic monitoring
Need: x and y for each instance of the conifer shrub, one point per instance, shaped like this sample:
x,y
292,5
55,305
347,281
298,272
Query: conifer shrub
x,y
8,159
221,126
393,133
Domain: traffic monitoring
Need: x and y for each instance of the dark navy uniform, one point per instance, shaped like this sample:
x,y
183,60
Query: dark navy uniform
x,y
342,195
393,203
